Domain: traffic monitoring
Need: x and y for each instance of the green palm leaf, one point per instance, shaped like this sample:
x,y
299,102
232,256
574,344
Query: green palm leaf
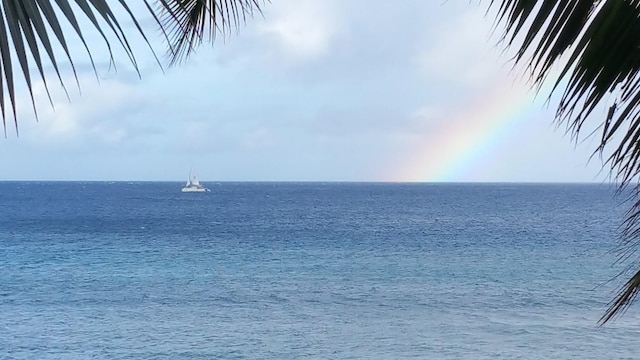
x,y
598,47
189,22
30,30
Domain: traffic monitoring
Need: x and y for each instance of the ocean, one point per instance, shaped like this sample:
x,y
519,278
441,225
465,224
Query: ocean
x,y
310,271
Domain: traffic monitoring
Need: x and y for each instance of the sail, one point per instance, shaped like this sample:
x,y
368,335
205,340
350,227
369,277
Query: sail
x,y
193,184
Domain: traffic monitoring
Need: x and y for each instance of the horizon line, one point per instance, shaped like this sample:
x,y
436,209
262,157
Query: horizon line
x,y
323,181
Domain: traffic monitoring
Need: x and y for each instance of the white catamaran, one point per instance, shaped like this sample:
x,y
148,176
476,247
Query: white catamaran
x,y
193,185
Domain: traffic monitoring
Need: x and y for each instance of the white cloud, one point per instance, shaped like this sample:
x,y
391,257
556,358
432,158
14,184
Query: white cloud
x,y
303,29
99,115
460,50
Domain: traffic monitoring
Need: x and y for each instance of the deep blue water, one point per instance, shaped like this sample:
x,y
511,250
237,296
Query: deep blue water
x,y
309,271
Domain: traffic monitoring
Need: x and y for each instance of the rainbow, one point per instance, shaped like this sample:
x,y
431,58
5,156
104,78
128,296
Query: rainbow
x,y
449,151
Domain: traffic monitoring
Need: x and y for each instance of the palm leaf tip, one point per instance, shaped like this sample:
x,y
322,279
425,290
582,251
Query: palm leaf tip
x,y
625,297
627,250
190,22
29,26
30,30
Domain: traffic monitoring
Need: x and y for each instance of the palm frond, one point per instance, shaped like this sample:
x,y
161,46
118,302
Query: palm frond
x,y
597,45
31,29
190,22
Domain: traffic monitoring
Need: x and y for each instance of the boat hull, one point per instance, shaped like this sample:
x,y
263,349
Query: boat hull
x,y
189,189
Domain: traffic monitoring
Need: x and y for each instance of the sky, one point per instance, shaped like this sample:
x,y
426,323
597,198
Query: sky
x,y
312,90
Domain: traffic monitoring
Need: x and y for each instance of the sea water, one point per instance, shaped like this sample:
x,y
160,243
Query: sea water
x,y
310,271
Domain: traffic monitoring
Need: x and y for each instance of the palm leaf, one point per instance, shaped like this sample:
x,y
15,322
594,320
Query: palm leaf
x,y
29,26
598,47
30,30
190,22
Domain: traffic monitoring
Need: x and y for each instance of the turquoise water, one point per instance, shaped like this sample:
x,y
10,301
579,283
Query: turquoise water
x,y
309,271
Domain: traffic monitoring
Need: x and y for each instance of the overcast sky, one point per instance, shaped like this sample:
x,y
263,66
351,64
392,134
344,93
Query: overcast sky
x,y
315,90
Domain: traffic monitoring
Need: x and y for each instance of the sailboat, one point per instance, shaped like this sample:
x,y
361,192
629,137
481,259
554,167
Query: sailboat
x,y
193,184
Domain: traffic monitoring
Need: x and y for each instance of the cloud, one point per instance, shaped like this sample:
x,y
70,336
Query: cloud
x,y
301,29
104,114
460,50
315,90
227,134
